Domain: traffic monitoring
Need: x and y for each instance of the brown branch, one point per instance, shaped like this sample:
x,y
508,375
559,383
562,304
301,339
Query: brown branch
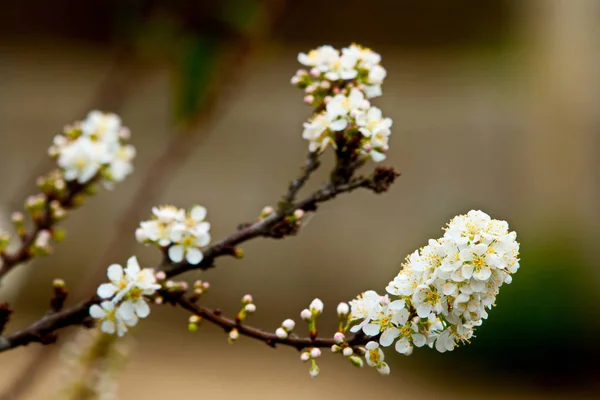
x,y
312,163
42,331
78,314
44,222
270,338
262,228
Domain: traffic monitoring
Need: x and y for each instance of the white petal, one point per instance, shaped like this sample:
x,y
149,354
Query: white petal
x,y
403,346
388,336
115,272
372,345
108,327
141,308
397,304
371,329
106,290
97,312
176,253
126,310
377,156
198,213
338,125
483,274
133,268
419,340
194,256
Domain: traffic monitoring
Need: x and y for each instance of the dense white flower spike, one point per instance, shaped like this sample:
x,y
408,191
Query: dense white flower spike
x,y
443,291
184,233
126,292
94,149
339,86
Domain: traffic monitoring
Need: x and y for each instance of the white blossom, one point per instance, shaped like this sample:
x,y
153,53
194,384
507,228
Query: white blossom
x,y
450,284
375,358
111,320
94,149
184,233
316,307
81,160
126,292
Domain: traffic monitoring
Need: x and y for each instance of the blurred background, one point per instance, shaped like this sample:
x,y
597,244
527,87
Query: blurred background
x,y
496,106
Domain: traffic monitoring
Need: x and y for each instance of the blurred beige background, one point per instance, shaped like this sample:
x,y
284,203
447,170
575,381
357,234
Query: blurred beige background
x,y
508,124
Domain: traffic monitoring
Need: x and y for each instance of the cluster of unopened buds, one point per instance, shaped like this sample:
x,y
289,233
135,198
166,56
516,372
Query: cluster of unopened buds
x,y
339,85
95,148
181,233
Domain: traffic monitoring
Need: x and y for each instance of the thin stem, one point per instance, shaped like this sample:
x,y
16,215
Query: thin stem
x,y
261,228
269,338
312,163
44,222
42,331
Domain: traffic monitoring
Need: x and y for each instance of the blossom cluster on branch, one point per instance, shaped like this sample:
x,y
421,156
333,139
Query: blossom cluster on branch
x,y
443,290
339,85
441,294
94,148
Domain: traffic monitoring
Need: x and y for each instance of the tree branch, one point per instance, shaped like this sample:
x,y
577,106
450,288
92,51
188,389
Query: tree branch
x,y
44,222
262,227
42,331
270,338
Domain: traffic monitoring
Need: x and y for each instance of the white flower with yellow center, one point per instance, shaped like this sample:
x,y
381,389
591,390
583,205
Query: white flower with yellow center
x,y
82,159
375,358
104,127
111,321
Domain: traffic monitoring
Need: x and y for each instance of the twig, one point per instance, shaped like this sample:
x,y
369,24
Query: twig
x,y
269,338
42,331
77,315
312,163
261,228
44,222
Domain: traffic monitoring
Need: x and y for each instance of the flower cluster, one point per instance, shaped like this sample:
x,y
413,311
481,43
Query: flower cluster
x,y
94,148
331,69
125,302
183,233
339,86
444,289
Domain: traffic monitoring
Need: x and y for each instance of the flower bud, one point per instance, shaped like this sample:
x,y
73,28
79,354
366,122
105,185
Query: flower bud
x,y
250,308
281,333
306,315
233,335
315,352
305,356
247,299
299,213
288,325
335,348
316,307
339,337
356,361
343,309
314,370
347,352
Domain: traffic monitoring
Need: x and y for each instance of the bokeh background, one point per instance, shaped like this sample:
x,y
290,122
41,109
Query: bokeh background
x,y
496,106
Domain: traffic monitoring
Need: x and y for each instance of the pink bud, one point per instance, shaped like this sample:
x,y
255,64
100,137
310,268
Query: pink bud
x,y
315,72
309,99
